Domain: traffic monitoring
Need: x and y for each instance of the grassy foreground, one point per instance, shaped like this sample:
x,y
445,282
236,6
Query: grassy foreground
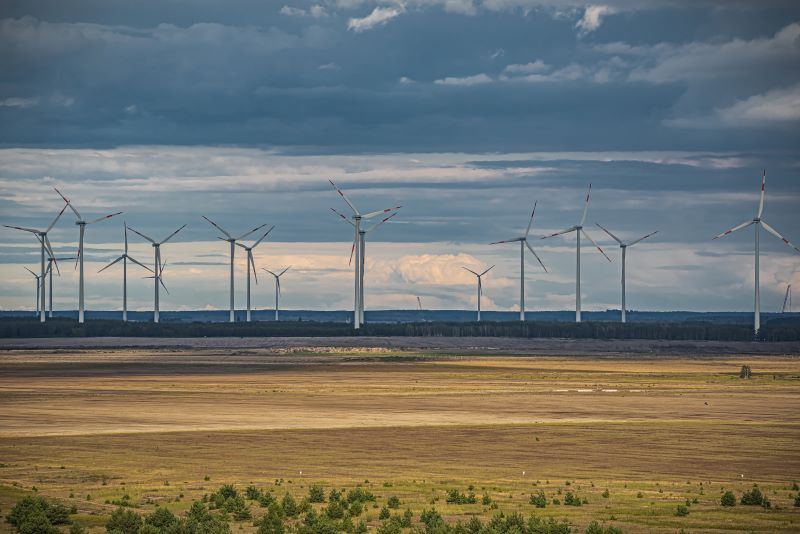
x,y
632,440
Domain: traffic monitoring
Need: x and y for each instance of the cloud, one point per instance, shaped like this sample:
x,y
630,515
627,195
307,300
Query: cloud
x,y
535,67
593,18
378,17
316,11
467,81
779,106
290,11
16,102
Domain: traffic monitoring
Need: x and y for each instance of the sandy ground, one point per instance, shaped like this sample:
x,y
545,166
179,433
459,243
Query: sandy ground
x,y
549,346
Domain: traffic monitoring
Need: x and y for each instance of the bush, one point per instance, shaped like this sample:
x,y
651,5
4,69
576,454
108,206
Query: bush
x,y
754,497
335,510
596,528
124,521
728,499
289,506
682,511
393,502
605,494
272,522
253,493
456,497
356,509
538,499
384,513
359,495
266,499
316,493
162,519
29,508
486,500
572,500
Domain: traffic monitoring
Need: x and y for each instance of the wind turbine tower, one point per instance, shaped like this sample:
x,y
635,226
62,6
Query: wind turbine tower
x,y
157,267
758,221
277,288
125,257
480,286
578,229
624,247
523,242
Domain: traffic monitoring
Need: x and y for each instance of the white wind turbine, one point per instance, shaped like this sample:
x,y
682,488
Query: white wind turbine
x,y
624,247
39,288
232,240
124,258
758,222
358,248
523,242
51,262
578,229
277,287
45,244
82,225
157,267
480,286
251,261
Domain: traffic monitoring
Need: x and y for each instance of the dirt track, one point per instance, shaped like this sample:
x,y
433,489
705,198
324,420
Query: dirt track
x,y
551,346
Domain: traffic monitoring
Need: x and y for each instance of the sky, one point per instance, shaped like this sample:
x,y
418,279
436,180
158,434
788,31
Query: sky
x,y
465,112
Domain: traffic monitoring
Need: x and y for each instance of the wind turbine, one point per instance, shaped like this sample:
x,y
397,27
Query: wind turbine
x,y
758,222
277,287
52,261
38,288
44,243
157,267
232,240
624,247
578,229
787,299
82,225
480,286
252,262
523,242
125,257
358,248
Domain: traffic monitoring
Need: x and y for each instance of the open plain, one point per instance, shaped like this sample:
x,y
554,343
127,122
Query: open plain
x,y
634,434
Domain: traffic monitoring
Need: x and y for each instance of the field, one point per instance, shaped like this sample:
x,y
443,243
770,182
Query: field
x,y
635,434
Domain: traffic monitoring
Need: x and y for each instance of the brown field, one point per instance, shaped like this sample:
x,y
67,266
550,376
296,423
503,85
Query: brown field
x,y
654,431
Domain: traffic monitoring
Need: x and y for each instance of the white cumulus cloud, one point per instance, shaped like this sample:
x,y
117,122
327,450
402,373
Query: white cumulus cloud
x,y
593,18
378,17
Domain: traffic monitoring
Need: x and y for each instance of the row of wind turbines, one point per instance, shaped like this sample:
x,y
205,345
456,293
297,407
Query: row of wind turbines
x,y
358,249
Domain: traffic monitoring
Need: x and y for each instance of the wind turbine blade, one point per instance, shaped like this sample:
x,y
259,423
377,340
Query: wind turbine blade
x,y
774,232
470,270
110,264
535,255
262,237
49,268
586,206
139,264
48,246
487,270
514,240
595,244
104,217
218,227
735,228
161,281
253,263
283,271
352,250
251,231
341,193
173,234
615,238
31,230
237,244
351,223
140,234
530,222
126,237
380,223
33,273
270,272
60,213
571,229
278,284
380,212
761,200
643,238
78,256
78,215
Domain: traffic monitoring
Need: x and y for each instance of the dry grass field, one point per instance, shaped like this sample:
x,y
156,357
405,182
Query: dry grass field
x,y
168,426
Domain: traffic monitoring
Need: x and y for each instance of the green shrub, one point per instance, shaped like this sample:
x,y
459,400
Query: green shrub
x,y
682,511
572,500
596,528
538,499
335,510
486,500
728,499
316,493
797,500
289,506
253,493
754,497
393,502
26,508
605,494
272,522
360,495
384,513
75,528
124,521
